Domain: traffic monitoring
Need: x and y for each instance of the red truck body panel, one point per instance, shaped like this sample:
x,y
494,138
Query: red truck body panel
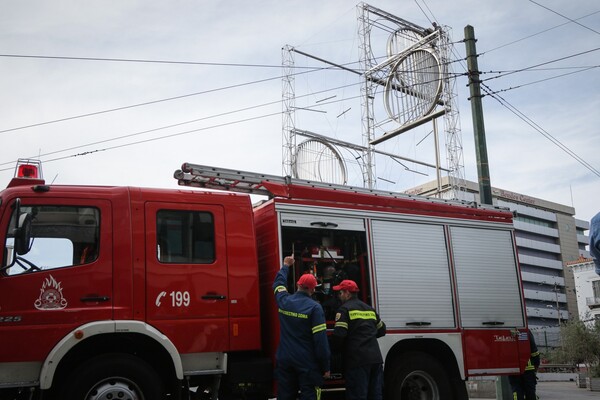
x,y
127,272
196,267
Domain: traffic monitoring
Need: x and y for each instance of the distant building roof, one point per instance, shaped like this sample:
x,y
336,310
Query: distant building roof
x,y
580,260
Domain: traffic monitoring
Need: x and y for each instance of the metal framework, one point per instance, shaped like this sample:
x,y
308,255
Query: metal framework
x,y
413,85
454,147
367,97
289,113
419,86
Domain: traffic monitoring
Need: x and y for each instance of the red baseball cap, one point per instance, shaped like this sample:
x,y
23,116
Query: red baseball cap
x,y
348,285
308,281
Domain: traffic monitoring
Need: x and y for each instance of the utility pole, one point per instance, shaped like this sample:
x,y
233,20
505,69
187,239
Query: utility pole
x,y
483,173
503,391
557,305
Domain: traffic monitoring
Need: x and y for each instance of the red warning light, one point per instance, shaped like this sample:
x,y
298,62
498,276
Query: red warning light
x,y
28,171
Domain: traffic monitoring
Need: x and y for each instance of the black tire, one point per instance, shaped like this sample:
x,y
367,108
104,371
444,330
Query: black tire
x,y
117,376
418,376
460,389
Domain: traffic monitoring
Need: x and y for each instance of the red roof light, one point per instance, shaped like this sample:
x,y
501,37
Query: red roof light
x,y
28,171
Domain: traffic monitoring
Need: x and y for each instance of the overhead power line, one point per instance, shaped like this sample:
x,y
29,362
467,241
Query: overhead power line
x,y
187,122
151,102
157,138
323,103
135,105
565,17
145,61
540,32
544,80
313,69
540,130
578,67
541,64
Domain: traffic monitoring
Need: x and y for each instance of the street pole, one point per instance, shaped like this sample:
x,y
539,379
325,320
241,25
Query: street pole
x,y
503,391
557,306
483,173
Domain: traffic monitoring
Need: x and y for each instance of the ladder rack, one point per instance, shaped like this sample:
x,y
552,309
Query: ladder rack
x,y
227,179
272,185
256,183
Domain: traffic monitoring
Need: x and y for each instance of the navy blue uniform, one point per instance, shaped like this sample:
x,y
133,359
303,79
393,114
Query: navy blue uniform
x,y
303,353
595,241
523,386
357,327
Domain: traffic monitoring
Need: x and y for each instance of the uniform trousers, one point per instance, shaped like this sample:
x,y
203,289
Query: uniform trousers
x,y
523,386
290,379
364,382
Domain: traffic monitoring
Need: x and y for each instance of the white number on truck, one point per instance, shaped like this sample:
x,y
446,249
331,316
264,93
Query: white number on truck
x,y
180,299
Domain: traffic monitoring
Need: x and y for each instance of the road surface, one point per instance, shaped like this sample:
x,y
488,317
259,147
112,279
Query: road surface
x,y
562,391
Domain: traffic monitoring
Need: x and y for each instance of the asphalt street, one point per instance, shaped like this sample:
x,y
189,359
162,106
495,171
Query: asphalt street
x,y
562,391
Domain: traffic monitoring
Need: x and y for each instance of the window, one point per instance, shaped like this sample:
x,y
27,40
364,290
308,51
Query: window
x,y
61,236
535,221
596,288
185,237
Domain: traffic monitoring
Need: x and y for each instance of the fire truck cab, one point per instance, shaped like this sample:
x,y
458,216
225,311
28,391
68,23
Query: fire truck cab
x,y
143,293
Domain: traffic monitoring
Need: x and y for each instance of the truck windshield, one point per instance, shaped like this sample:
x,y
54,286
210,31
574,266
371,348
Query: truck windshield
x,y
61,236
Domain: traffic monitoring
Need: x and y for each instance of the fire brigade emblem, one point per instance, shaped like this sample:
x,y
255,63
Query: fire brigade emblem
x,y
51,297
338,316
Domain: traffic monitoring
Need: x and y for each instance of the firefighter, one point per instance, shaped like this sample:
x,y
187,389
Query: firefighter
x,y
523,386
357,327
303,353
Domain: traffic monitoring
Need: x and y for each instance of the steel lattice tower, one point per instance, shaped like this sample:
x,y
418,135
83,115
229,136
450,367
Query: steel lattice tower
x,y
288,114
454,148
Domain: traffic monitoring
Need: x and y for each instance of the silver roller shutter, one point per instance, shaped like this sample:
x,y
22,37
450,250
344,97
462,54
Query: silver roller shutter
x,y
486,272
413,278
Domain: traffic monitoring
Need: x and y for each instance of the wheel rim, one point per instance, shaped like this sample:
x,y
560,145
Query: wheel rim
x,y
115,388
419,385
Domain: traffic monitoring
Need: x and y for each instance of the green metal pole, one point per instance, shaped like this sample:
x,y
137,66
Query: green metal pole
x,y
503,391
485,187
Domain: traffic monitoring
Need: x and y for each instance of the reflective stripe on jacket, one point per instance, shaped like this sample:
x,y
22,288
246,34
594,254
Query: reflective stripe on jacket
x,y
534,359
356,330
303,338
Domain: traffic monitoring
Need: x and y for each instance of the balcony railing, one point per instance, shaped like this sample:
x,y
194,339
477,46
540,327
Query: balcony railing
x,y
592,302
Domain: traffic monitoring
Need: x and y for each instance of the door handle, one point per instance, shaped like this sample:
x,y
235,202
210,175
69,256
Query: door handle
x,y
214,297
94,299
324,224
493,323
418,323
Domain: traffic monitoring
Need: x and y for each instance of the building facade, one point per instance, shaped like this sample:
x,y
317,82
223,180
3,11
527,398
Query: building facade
x,y
548,236
587,288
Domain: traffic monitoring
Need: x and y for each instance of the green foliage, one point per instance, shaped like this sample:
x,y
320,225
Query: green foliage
x,y
580,343
557,356
595,371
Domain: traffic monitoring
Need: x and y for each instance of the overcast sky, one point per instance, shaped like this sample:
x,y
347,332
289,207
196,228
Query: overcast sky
x,y
230,54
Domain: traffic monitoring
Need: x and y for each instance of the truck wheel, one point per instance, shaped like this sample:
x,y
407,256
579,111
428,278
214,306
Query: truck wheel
x,y
113,376
418,377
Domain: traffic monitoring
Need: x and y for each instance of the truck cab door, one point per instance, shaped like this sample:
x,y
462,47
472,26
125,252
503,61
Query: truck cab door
x,y
186,275
63,279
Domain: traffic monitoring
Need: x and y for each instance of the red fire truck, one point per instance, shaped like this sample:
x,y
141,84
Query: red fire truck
x,y
136,293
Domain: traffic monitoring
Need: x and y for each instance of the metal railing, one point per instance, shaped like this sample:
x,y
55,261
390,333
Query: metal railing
x,y
592,302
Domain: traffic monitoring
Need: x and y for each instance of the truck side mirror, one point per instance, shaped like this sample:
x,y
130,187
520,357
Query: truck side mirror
x,y
23,234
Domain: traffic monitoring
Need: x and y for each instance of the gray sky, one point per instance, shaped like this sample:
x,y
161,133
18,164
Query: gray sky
x,y
512,35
